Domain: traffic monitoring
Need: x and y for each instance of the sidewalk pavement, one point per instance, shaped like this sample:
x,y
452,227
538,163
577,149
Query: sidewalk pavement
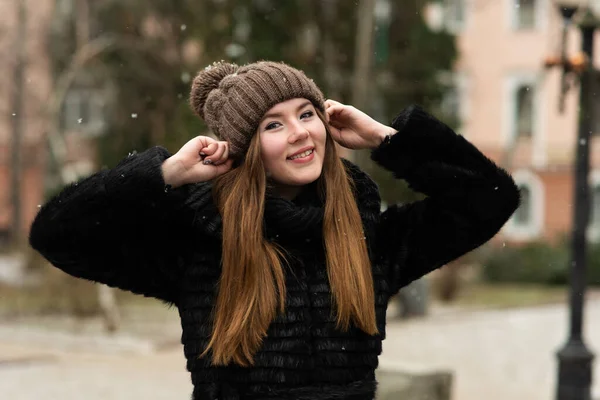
x,y
494,354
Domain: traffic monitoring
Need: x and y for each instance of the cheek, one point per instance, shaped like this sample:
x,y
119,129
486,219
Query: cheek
x,y
321,136
272,150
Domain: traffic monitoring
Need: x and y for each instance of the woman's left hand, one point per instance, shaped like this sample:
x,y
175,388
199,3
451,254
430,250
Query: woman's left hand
x,y
354,129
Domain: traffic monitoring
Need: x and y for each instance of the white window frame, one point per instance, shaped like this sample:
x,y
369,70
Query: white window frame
x,y
453,25
94,126
534,229
541,15
460,81
511,86
593,231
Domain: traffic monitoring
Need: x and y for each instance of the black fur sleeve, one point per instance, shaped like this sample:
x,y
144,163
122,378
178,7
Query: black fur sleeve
x,y
119,227
469,198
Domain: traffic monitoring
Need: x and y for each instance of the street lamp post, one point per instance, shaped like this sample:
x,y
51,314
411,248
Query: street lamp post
x,y
575,359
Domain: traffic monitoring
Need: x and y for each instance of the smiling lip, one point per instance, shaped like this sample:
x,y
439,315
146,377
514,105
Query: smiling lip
x,y
303,160
301,151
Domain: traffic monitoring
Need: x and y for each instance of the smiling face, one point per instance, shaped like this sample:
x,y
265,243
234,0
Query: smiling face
x,y
292,143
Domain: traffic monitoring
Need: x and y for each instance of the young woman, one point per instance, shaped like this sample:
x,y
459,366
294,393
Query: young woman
x,y
272,247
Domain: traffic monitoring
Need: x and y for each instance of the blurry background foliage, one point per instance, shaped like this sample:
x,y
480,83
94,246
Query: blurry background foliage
x,y
163,43
540,262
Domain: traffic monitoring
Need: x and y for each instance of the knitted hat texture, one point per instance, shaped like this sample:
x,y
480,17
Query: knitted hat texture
x,y
232,99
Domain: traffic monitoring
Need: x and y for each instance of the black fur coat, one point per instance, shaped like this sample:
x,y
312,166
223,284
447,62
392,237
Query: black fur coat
x,y
122,228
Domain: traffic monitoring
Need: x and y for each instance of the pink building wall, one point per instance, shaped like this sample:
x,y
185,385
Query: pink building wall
x,y
494,58
36,91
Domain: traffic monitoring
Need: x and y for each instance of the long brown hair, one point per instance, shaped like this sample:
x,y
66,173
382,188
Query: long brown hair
x,y
252,286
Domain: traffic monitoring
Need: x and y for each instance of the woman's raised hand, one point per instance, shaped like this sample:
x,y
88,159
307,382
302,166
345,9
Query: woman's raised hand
x,y
199,160
352,128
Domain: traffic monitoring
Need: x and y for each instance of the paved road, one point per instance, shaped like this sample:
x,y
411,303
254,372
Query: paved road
x,y
496,355
67,376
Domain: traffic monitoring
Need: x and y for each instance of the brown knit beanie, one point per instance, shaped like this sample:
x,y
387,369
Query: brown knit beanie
x,y
232,99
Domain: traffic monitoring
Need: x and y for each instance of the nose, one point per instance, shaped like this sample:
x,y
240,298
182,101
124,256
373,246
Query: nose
x,y
299,132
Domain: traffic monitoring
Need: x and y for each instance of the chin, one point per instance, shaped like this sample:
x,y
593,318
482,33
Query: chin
x,y
302,178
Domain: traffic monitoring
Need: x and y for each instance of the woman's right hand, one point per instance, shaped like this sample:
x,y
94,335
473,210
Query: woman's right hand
x,y
199,160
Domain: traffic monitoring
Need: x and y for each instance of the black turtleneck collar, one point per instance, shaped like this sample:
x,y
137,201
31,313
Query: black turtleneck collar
x,y
300,217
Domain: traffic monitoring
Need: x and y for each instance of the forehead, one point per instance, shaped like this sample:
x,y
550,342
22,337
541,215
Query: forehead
x,y
291,104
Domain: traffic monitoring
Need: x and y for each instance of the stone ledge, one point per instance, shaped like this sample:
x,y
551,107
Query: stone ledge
x,y
72,342
399,381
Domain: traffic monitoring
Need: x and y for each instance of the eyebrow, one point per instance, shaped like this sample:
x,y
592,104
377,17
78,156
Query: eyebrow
x,y
276,115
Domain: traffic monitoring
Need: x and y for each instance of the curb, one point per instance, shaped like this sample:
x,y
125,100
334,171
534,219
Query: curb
x,y
118,343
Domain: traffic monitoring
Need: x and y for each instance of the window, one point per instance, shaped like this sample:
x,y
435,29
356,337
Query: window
x,y
527,15
521,117
83,110
595,5
523,214
524,96
525,11
383,14
453,104
594,222
454,14
527,221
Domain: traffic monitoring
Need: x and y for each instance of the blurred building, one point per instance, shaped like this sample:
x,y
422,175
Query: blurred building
x,y
80,118
508,106
35,90
506,101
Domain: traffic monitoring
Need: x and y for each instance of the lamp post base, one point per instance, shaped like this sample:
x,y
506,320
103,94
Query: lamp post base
x,y
574,371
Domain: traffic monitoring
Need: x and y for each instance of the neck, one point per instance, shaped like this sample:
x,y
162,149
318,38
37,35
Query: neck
x,y
287,192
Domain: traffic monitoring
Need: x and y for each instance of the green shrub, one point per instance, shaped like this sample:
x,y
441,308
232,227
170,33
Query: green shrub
x,y
535,262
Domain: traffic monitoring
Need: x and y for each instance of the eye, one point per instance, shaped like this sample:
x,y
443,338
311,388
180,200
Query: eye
x,y
272,125
307,114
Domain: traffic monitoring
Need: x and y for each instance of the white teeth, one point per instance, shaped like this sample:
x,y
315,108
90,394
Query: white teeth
x,y
305,154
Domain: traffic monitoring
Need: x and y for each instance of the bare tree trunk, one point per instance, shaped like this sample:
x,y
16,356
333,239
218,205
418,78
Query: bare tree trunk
x,y
362,59
17,123
88,51
363,53
106,295
331,70
85,51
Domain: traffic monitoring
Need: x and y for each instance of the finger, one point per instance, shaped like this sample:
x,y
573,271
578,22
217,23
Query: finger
x,y
335,106
216,170
334,109
217,156
210,149
203,141
225,155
